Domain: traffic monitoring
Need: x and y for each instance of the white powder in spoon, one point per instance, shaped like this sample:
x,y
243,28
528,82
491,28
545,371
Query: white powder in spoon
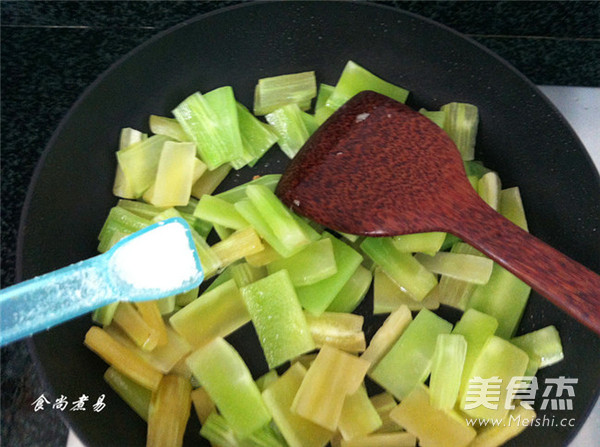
x,y
160,259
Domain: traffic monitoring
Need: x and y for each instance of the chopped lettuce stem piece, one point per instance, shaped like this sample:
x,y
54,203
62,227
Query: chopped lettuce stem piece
x,y
408,363
264,257
222,232
437,116
322,112
220,212
456,292
382,440
477,328
211,122
161,125
353,292
203,404
277,91
169,412
491,436
185,298
264,381
208,258
134,395
402,268
238,193
278,218
475,168
163,358
257,137
446,370
278,318
359,417
222,372
387,335
314,262
210,180
123,220
433,427
544,343
488,187
461,125
340,330
122,359
289,125
429,243
240,244
144,210
387,296
197,171
104,315
310,121
355,79
216,313
498,362
121,187
139,331
318,296
384,403
151,315
219,433
259,223
139,163
470,268
332,376
244,274
278,397
166,305
511,207
504,297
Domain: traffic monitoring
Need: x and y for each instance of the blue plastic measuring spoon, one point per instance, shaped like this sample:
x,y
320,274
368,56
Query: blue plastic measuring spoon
x,y
158,261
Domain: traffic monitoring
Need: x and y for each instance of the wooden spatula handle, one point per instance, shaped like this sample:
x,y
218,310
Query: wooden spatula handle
x,y
566,283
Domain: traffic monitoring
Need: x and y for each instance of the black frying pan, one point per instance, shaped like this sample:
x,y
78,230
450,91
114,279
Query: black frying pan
x,y
521,136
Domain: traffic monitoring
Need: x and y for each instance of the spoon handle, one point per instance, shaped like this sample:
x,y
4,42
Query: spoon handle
x,y
50,299
566,283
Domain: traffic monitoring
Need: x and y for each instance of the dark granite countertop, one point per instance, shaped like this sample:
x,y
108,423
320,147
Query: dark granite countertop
x,y
52,50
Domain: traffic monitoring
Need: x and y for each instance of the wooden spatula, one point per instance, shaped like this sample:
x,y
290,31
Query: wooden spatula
x,y
378,168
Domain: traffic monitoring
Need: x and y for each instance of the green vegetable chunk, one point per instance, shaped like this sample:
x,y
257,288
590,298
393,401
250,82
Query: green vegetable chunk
x,y
461,123
498,363
278,318
353,292
280,219
446,370
278,91
433,427
318,296
139,163
216,313
257,137
355,79
311,264
290,127
402,268
504,297
476,328
222,372
211,122
278,397
543,344
408,362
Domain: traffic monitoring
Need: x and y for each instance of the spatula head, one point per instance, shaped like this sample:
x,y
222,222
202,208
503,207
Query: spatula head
x,y
377,168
